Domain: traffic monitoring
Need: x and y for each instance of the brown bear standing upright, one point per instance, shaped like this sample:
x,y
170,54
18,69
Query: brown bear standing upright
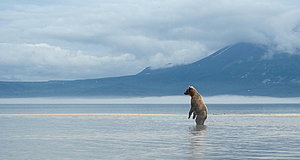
x,y
198,108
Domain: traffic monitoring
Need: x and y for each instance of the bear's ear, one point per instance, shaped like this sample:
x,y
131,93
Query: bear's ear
x,y
191,87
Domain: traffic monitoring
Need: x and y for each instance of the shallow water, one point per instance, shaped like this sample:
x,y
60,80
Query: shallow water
x,y
148,132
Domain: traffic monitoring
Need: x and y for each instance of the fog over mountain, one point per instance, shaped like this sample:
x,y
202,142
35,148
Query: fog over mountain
x,y
75,39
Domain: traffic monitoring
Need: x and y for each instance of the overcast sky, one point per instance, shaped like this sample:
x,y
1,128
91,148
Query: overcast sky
x,y
78,39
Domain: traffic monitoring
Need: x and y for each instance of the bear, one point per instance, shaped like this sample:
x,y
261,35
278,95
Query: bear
x,y
198,107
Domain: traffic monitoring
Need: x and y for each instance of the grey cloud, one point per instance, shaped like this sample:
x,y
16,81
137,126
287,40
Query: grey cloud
x,y
44,62
110,38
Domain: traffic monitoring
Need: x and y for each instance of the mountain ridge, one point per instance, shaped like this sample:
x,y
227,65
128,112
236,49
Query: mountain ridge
x,y
239,69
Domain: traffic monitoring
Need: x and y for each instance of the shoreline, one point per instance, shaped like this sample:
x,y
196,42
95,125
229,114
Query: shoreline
x,y
151,114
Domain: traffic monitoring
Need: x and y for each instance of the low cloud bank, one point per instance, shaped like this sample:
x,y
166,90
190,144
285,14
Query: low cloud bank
x,y
223,99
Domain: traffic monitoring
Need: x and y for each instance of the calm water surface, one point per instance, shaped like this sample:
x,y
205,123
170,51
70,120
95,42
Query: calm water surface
x,y
57,132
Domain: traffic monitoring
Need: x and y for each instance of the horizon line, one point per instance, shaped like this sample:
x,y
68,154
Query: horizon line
x,y
154,114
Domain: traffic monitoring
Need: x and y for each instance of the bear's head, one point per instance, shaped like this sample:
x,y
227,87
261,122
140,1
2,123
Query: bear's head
x,y
190,91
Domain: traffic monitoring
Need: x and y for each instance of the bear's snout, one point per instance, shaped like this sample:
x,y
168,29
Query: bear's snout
x,y
186,92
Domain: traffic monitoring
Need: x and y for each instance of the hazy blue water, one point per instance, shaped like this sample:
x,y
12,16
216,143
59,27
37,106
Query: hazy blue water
x,y
113,136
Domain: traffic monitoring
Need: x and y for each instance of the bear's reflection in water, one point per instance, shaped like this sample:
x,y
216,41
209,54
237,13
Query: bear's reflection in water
x,y
199,128
197,141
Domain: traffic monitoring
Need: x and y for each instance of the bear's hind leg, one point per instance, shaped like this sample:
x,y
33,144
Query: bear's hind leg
x,y
200,120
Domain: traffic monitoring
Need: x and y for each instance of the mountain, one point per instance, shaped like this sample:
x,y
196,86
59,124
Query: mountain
x,y
239,69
